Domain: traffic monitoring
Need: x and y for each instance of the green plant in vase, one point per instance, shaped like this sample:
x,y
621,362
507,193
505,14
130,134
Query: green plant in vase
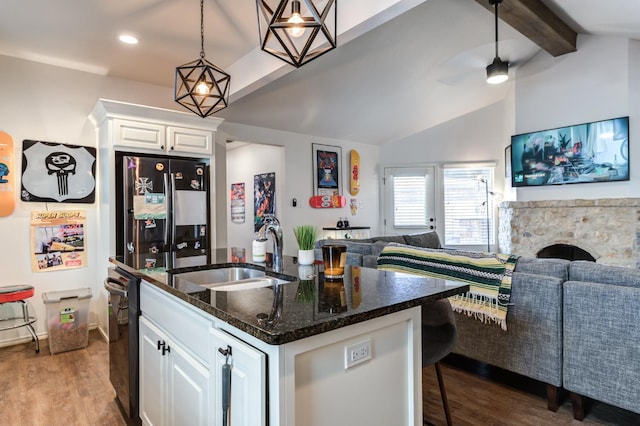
x,y
306,236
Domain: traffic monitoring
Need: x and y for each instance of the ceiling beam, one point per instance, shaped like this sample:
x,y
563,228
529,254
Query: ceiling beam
x,y
538,23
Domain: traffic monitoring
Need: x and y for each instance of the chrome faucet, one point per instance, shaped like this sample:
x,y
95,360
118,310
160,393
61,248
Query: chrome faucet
x,y
272,225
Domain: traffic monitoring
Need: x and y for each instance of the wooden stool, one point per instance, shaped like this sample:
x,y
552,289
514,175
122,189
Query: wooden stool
x,y
18,294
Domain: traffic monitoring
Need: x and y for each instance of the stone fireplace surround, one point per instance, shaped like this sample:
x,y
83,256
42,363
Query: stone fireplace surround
x,y
608,228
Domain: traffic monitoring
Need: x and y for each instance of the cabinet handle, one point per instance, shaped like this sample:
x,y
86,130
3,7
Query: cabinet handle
x,y
160,344
166,349
226,352
161,146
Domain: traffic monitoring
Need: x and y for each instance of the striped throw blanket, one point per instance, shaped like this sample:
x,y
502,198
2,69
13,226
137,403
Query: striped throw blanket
x,y
488,276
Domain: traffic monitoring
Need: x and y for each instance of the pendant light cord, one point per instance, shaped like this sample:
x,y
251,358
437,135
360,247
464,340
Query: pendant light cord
x,y
202,28
496,19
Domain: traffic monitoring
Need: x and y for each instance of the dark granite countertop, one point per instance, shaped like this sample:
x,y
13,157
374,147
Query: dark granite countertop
x,y
306,306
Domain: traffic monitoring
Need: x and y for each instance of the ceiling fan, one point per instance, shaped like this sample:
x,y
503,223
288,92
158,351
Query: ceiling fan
x,y
470,65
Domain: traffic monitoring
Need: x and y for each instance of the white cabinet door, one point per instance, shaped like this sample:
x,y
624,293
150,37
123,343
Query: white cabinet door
x,y
188,394
248,381
159,137
192,141
174,387
152,377
138,134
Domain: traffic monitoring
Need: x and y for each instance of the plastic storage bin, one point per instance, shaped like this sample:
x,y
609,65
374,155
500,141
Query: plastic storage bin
x,y
67,319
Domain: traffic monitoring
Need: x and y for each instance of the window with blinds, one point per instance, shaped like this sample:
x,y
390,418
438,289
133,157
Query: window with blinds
x,y
410,201
468,213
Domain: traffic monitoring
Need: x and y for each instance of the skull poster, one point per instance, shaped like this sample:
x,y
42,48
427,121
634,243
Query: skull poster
x,y
58,172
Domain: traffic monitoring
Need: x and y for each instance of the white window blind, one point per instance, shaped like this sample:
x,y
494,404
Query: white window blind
x,y
468,213
410,201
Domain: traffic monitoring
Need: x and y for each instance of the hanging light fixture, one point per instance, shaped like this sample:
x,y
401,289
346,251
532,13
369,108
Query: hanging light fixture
x,y
498,70
200,86
297,31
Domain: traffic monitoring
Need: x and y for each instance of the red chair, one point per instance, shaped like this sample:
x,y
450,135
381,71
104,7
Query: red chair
x,y
18,294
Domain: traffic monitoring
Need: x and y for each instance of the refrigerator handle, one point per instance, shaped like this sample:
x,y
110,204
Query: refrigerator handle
x,y
165,176
173,217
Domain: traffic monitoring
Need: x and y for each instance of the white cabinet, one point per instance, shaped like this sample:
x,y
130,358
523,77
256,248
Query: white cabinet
x,y
154,130
307,384
174,387
159,137
181,367
248,381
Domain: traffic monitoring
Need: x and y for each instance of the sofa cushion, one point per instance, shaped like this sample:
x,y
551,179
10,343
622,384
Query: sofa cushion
x,y
426,240
370,261
353,246
601,342
390,239
558,268
583,270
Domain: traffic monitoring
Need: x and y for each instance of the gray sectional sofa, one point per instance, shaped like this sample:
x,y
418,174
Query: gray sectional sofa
x,y
572,325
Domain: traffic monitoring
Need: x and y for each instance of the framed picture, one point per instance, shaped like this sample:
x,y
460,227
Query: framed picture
x,y
264,198
327,161
507,162
57,172
237,202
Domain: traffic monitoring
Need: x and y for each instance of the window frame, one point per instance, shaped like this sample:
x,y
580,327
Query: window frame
x,y
485,197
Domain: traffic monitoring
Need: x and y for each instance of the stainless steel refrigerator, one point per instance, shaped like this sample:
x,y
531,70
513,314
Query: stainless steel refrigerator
x,y
163,209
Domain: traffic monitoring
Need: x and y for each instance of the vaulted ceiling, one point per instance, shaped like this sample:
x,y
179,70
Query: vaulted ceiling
x,y
403,67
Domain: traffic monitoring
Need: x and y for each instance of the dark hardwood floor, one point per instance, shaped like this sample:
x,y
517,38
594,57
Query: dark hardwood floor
x,y
484,395
72,388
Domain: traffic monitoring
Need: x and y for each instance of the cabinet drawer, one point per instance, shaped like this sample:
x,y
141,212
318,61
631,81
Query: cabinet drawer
x,y
138,134
183,322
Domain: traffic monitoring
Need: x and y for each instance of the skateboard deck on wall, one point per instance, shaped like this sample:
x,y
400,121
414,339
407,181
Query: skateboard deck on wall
x,y
354,171
327,201
7,175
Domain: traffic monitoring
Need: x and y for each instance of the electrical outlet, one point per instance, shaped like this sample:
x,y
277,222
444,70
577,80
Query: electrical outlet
x,y
357,353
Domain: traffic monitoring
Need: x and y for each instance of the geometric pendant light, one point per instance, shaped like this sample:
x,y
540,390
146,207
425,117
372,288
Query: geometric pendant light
x,y
297,31
498,70
200,86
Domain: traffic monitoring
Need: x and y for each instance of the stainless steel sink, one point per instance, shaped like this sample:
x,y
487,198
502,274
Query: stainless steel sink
x,y
227,279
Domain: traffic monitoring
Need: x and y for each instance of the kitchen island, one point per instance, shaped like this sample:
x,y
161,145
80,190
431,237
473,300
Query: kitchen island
x,y
311,351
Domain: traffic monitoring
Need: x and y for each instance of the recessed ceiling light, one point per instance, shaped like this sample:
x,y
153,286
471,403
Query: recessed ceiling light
x,y
128,39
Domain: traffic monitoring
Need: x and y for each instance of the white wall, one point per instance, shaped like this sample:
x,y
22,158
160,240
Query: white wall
x,y
242,165
297,179
597,82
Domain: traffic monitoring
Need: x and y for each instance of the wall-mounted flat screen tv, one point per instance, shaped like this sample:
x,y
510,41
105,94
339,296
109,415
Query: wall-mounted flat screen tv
x,y
589,152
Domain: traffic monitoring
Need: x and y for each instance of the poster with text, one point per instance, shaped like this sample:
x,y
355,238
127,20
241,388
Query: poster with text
x,y
237,202
57,240
264,189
